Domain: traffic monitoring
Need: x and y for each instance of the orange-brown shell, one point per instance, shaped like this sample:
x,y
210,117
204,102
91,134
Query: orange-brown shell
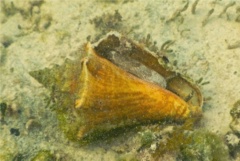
x,y
109,97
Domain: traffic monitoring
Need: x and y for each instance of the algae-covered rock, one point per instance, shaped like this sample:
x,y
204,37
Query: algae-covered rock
x,y
205,146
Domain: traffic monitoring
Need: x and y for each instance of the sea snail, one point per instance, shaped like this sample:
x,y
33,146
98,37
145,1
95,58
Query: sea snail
x,y
94,96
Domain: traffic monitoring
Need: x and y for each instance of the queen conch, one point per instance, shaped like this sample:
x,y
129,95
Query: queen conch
x,y
105,97
109,94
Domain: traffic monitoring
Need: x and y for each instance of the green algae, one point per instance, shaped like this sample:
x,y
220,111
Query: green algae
x,y
204,145
235,111
44,155
108,22
147,138
194,145
3,108
8,149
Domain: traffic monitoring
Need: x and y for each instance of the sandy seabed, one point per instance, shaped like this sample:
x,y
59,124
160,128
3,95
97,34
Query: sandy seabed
x,y
36,34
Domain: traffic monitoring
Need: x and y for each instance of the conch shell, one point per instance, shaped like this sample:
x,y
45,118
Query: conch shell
x,y
109,96
93,96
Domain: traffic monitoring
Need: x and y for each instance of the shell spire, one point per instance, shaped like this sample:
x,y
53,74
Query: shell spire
x,y
109,97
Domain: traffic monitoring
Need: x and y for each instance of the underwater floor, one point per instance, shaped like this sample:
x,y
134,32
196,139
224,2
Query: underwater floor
x,y
56,103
